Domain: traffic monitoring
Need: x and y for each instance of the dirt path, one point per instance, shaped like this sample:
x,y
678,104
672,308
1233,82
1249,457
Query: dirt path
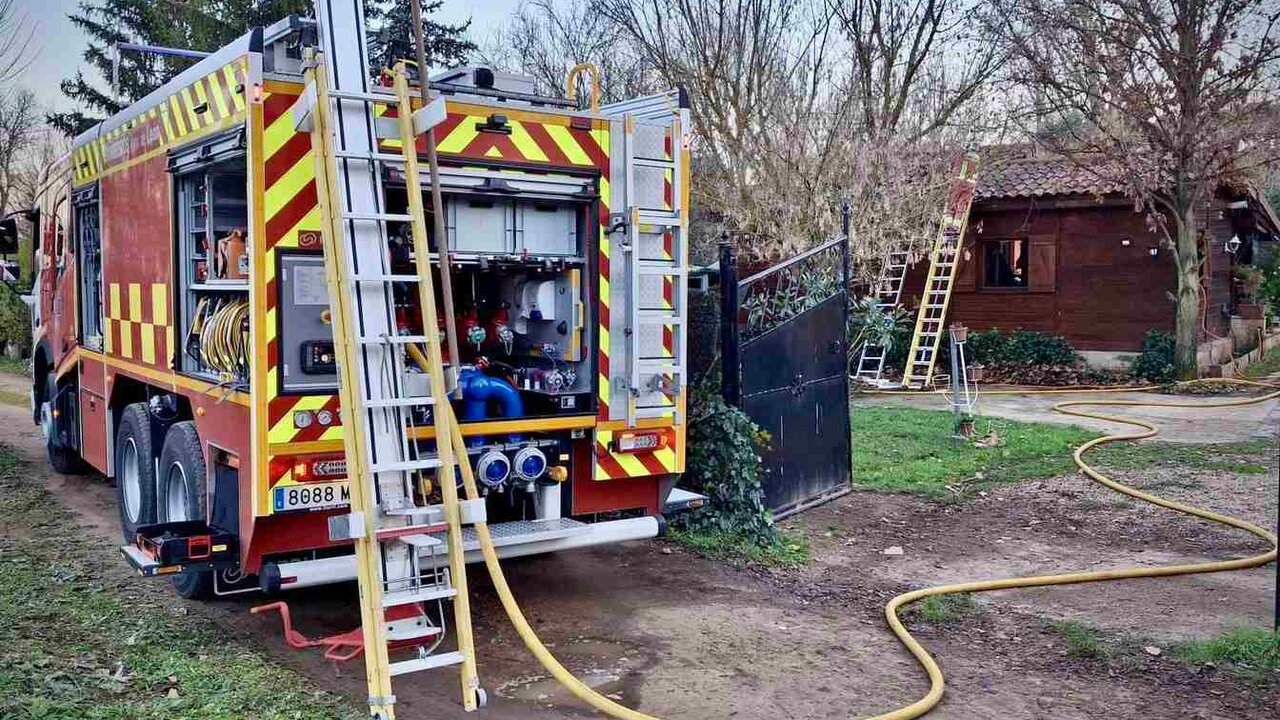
x,y
682,637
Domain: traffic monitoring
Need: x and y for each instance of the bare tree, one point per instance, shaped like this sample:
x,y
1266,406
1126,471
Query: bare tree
x,y
19,122
545,38
1168,99
917,63
17,40
768,126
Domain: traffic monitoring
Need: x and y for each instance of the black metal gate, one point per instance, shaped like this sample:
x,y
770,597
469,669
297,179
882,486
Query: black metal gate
x,y
792,377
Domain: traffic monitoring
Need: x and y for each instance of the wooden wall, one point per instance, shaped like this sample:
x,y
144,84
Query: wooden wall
x,y
1084,283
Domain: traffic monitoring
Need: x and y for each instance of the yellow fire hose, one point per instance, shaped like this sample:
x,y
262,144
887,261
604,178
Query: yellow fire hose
x,y
926,703
583,692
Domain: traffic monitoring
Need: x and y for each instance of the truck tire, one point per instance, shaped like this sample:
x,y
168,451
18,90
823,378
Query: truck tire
x,y
135,470
182,491
66,460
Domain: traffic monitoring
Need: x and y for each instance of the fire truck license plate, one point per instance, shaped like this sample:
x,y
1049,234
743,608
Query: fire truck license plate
x,y
311,496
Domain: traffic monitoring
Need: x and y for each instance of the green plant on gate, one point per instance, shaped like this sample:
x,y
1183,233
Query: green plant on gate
x,y
723,464
1155,361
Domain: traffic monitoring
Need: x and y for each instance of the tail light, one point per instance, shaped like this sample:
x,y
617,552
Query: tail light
x,y
638,442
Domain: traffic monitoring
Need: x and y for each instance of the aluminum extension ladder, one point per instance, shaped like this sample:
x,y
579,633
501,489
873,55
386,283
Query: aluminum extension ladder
x,y
888,292
943,262
646,227
401,542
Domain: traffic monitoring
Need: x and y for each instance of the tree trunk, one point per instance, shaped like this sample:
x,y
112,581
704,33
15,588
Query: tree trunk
x,y
1187,325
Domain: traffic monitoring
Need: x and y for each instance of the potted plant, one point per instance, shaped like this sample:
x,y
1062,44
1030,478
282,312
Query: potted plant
x,y
1247,279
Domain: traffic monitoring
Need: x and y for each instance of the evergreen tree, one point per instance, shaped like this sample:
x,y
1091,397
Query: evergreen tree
x,y
446,45
207,25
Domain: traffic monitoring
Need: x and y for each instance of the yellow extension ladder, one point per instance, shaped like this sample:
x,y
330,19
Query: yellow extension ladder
x,y
409,553
944,259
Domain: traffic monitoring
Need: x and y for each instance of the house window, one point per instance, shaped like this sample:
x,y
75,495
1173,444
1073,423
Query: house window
x,y
1005,263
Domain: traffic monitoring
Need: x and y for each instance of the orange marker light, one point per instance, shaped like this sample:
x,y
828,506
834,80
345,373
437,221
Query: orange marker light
x,y
637,442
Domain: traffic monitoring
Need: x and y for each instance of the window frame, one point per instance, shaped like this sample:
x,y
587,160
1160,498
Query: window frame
x,y
84,201
986,244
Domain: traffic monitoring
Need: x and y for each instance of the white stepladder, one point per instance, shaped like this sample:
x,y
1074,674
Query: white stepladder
x,y
888,293
400,539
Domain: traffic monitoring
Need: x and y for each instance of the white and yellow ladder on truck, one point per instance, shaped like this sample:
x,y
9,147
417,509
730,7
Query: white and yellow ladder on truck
x,y
401,542
944,259
655,254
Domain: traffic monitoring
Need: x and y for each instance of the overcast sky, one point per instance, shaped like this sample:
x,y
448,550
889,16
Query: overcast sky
x,y
59,44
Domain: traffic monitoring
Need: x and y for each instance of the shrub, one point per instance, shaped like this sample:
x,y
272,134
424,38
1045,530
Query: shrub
x,y
15,322
1020,346
723,465
1269,286
1155,361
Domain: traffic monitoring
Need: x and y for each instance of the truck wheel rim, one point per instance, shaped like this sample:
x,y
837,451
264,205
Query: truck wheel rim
x,y
130,480
175,494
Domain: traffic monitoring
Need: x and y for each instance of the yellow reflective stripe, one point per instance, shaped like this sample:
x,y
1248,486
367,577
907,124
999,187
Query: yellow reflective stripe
x,y
566,143
159,304
461,136
147,332
126,339
525,144
219,97
631,464
277,134
193,119
135,302
229,72
289,184
202,99
175,113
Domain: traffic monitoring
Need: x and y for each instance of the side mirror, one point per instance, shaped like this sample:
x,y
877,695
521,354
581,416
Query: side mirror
x,y
8,236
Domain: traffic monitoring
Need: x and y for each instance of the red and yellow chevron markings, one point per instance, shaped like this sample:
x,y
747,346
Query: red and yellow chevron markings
x,y
612,465
292,222
210,104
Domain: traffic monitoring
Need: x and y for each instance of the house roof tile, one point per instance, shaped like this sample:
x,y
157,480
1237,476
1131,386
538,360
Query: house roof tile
x,y
1010,171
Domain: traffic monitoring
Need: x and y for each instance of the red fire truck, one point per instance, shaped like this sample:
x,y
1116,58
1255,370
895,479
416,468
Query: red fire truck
x,y
182,343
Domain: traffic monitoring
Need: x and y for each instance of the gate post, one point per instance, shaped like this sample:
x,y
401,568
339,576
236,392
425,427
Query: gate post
x,y
730,361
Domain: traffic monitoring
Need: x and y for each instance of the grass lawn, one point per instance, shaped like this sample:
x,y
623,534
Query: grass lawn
x,y
82,639
13,366
903,449
908,450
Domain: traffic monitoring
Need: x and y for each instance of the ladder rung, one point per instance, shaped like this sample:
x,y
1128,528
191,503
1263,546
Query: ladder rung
x,y
400,533
384,278
659,317
405,465
368,157
392,339
384,98
398,402
429,662
660,267
656,412
436,511
414,595
377,217
666,365
653,163
656,217
412,632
